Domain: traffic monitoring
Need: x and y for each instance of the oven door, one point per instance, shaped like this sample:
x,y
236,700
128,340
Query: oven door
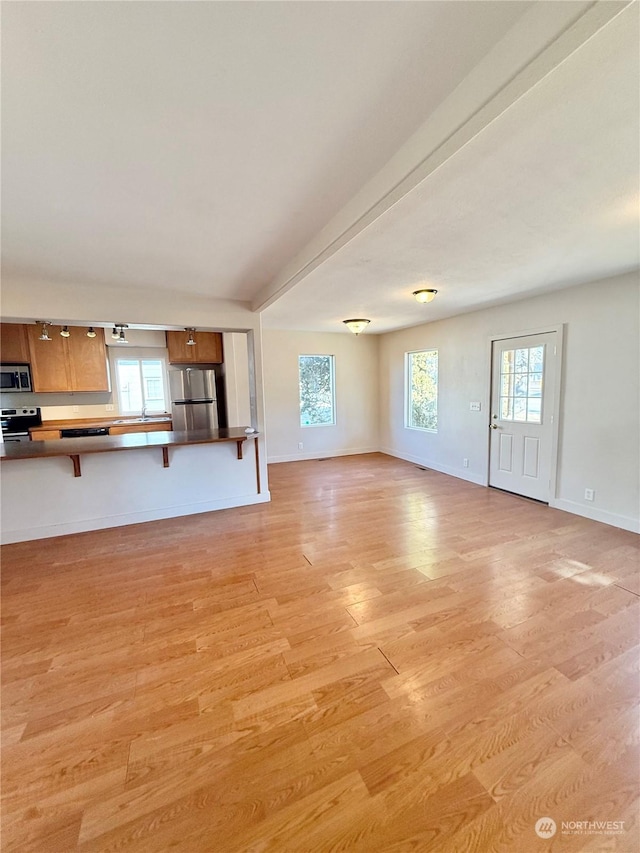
x,y
15,437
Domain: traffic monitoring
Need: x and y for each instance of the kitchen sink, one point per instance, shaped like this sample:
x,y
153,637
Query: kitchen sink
x,y
158,420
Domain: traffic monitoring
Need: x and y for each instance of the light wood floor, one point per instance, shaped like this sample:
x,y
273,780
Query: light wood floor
x,y
382,659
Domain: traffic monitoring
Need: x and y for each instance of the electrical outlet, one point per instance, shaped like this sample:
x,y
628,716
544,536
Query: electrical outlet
x,y
75,408
300,445
589,494
109,407
465,463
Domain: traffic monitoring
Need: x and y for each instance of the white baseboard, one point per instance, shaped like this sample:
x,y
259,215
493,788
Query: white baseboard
x,y
325,454
595,514
83,525
460,473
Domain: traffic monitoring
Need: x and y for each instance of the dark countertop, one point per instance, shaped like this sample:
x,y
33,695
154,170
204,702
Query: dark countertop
x,y
129,441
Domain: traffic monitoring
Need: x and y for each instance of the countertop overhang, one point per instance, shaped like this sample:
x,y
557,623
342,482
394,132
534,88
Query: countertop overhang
x,y
76,447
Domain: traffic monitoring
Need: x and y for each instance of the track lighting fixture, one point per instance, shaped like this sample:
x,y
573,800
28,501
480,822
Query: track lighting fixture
x,y
91,333
118,333
65,332
190,340
44,334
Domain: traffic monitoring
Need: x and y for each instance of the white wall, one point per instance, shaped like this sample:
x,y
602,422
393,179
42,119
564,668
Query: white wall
x,y
356,366
236,371
599,443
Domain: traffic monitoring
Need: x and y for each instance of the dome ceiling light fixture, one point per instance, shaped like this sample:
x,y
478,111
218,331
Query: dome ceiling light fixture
x,y
425,295
356,326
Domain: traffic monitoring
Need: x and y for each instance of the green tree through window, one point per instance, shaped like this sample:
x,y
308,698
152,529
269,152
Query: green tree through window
x,y
422,387
317,400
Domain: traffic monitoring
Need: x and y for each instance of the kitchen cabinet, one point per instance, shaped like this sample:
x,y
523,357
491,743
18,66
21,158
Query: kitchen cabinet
x,y
123,429
76,363
49,432
207,349
44,434
14,346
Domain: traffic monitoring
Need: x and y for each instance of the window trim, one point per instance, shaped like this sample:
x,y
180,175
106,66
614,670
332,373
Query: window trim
x,y
407,390
332,363
140,354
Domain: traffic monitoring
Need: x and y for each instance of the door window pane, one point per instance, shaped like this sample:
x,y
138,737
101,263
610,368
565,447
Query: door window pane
x,y
521,379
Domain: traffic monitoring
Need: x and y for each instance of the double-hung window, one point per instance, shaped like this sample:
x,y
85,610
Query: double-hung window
x,y
141,383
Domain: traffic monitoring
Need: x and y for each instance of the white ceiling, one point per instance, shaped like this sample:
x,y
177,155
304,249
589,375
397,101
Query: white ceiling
x,y
546,196
199,147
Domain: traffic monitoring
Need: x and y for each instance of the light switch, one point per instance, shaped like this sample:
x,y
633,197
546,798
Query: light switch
x,y
474,407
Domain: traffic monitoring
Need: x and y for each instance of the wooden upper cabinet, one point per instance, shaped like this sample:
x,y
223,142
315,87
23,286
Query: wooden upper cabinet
x,y
76,363
49,361
14,346
87,361
207,349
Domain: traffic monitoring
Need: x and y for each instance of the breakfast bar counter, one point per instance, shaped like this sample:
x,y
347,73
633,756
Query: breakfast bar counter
x,y
75,447
126,479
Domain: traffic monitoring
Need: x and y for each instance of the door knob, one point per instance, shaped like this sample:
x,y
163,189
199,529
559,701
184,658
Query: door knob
x,y
493,426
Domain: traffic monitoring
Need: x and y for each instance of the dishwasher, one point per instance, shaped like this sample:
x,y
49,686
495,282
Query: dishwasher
x,y
83,433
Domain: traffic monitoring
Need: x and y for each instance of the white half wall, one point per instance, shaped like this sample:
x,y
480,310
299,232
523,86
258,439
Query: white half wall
x,y
599,441
42,498
356,368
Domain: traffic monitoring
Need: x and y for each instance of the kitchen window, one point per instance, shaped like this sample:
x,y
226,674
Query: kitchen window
x,y
422,390
141,383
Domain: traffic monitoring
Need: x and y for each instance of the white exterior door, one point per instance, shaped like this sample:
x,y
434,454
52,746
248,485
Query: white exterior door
x,y
523,378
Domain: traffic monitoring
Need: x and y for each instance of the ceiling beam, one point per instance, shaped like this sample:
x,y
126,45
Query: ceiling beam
x,y
542,39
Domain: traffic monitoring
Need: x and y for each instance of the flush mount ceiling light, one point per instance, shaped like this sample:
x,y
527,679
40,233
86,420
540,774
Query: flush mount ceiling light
x,y
191,342
65,332
44,334
91,333
356,326
118,333
425,295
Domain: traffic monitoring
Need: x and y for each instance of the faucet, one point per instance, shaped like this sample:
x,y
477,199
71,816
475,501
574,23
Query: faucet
x,y
144,411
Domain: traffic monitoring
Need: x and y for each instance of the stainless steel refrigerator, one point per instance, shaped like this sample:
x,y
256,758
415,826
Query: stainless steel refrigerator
x,y
193,399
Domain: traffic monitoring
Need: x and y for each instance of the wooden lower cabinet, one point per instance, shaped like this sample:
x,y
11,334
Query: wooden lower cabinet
x,y
44,434
123,429
48,434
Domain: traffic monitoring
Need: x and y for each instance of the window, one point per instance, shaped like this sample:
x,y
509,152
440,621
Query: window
x,y
141,383
521,384
317,395
422,390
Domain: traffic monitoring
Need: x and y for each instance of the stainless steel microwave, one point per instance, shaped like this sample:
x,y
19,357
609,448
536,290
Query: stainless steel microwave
x,y
15,377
